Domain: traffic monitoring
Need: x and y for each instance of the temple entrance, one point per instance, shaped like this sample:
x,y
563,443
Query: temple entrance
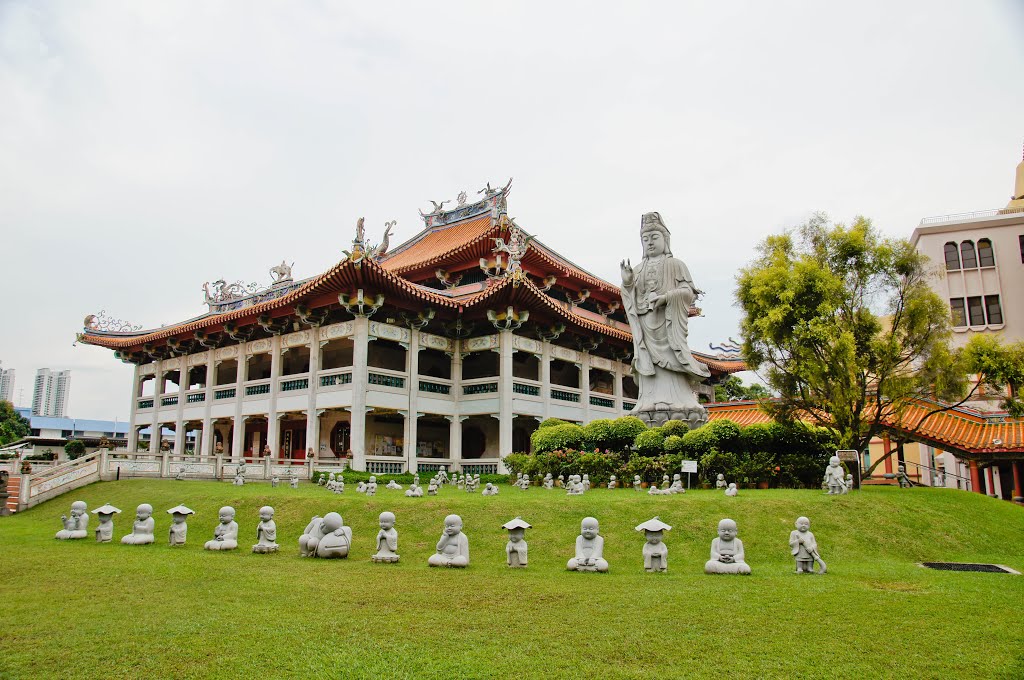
x,y
340,441
522,428
480,437
255,438
293,439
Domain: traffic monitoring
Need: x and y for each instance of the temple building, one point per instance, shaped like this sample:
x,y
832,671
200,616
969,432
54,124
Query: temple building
x,y
447,350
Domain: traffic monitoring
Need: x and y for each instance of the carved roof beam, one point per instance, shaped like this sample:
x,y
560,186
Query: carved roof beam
x,y
204,339
309,317
422,318
549,281
359,305
550,333
509,319
458,328
238,334
447,279
271,325
179,346
587,343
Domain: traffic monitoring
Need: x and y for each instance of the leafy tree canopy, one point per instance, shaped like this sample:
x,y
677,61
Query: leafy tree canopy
x,y
12,426
733,389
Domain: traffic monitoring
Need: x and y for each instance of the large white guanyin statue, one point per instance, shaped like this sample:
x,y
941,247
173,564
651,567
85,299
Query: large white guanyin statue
x,y
657,295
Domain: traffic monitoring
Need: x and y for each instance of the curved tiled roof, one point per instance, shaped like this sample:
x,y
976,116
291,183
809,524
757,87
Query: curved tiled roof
x,y
436,244
959,430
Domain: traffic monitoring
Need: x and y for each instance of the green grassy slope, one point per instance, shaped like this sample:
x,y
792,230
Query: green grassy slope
x,y
81,609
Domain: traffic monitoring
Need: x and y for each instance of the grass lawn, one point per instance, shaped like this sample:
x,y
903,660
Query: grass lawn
x,y
80,609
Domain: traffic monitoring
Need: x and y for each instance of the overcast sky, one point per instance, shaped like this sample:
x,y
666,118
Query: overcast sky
x,y
148,147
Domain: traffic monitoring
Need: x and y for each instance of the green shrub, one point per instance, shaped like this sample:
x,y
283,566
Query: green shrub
x,y
726,434
759,437
650,442
625,431
675,428
75,449
673,444
716,462
759,467
551,422
650,468
566,436
597,434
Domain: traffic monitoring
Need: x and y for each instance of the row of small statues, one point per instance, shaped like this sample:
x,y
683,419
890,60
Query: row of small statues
x,y
329,537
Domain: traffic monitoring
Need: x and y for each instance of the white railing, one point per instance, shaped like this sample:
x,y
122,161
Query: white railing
x,y
977,214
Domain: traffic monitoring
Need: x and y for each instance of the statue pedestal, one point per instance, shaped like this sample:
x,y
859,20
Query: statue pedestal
x,y
662,412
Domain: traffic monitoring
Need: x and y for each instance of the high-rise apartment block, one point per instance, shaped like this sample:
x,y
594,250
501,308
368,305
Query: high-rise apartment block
x,y
6,384
50,396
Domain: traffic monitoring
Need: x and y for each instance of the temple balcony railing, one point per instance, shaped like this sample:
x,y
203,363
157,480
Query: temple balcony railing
x,y
431,465
480,388
435,386
144,403
481,466
293,383
257,389
197,396
529,389
562,393
389,380
334,379
380,465
224,392
169,400
605,401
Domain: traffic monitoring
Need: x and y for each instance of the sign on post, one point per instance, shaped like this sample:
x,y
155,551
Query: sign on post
x,y
688,466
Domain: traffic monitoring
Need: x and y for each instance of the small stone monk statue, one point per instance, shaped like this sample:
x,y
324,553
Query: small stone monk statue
x,y
387,539
336,539
720,481
585,482
178,531
726,552
589,548
901,475
849,483
655,550
515,549
732,490
453,548
274,481
613,482
636,483
677,484
225,535
835,476
804,547
311,536
76,526
371,486
490,490
549,482
433,486
266,532
105,531
142,529
293,479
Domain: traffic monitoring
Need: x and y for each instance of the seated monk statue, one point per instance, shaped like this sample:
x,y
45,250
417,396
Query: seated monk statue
x,y
453,548
142,529
589,548
726,552
337,538
76,526
225,535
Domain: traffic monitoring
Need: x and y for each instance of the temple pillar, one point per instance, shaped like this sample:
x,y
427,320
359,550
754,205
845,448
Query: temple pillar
x,y
273,420
585,385
158,391
617,386
455,429
179,429
133,432
505,415
545,381
312,415
886,450
1018,490
412,418
360,342
206,443
238,433
975,477
990,487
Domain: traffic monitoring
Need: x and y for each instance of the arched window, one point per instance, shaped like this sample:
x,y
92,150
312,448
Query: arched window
x,y
952,257
967,254
986,256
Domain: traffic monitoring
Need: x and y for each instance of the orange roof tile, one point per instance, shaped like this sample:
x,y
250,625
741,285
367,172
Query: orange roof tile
x,y
432,245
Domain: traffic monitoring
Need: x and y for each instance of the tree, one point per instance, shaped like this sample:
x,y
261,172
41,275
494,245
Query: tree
x,y
12,426
75,449
733,389
846,328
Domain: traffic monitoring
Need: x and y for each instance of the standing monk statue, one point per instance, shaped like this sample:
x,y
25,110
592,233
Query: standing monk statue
x,y
657,295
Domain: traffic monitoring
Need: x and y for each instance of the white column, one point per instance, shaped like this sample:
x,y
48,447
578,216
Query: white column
x,y
312,419
360,340
585,385
412,417
158,391
133,433
617,386
273,422
238,427
455,429
206,443
545,380
505,415
179,425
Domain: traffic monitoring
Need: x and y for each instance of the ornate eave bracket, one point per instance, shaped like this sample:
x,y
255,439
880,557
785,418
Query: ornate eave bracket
x,y
238,334
422,318
509,319
550,333
309,317
447,279
359,306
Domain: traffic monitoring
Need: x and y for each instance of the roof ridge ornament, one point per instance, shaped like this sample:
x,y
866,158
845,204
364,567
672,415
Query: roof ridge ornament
x,y
361,248
107,324
516,247
493,201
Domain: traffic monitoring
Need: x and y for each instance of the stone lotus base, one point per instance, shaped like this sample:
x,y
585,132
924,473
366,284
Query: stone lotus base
x,y
385,559
662,412
265,549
